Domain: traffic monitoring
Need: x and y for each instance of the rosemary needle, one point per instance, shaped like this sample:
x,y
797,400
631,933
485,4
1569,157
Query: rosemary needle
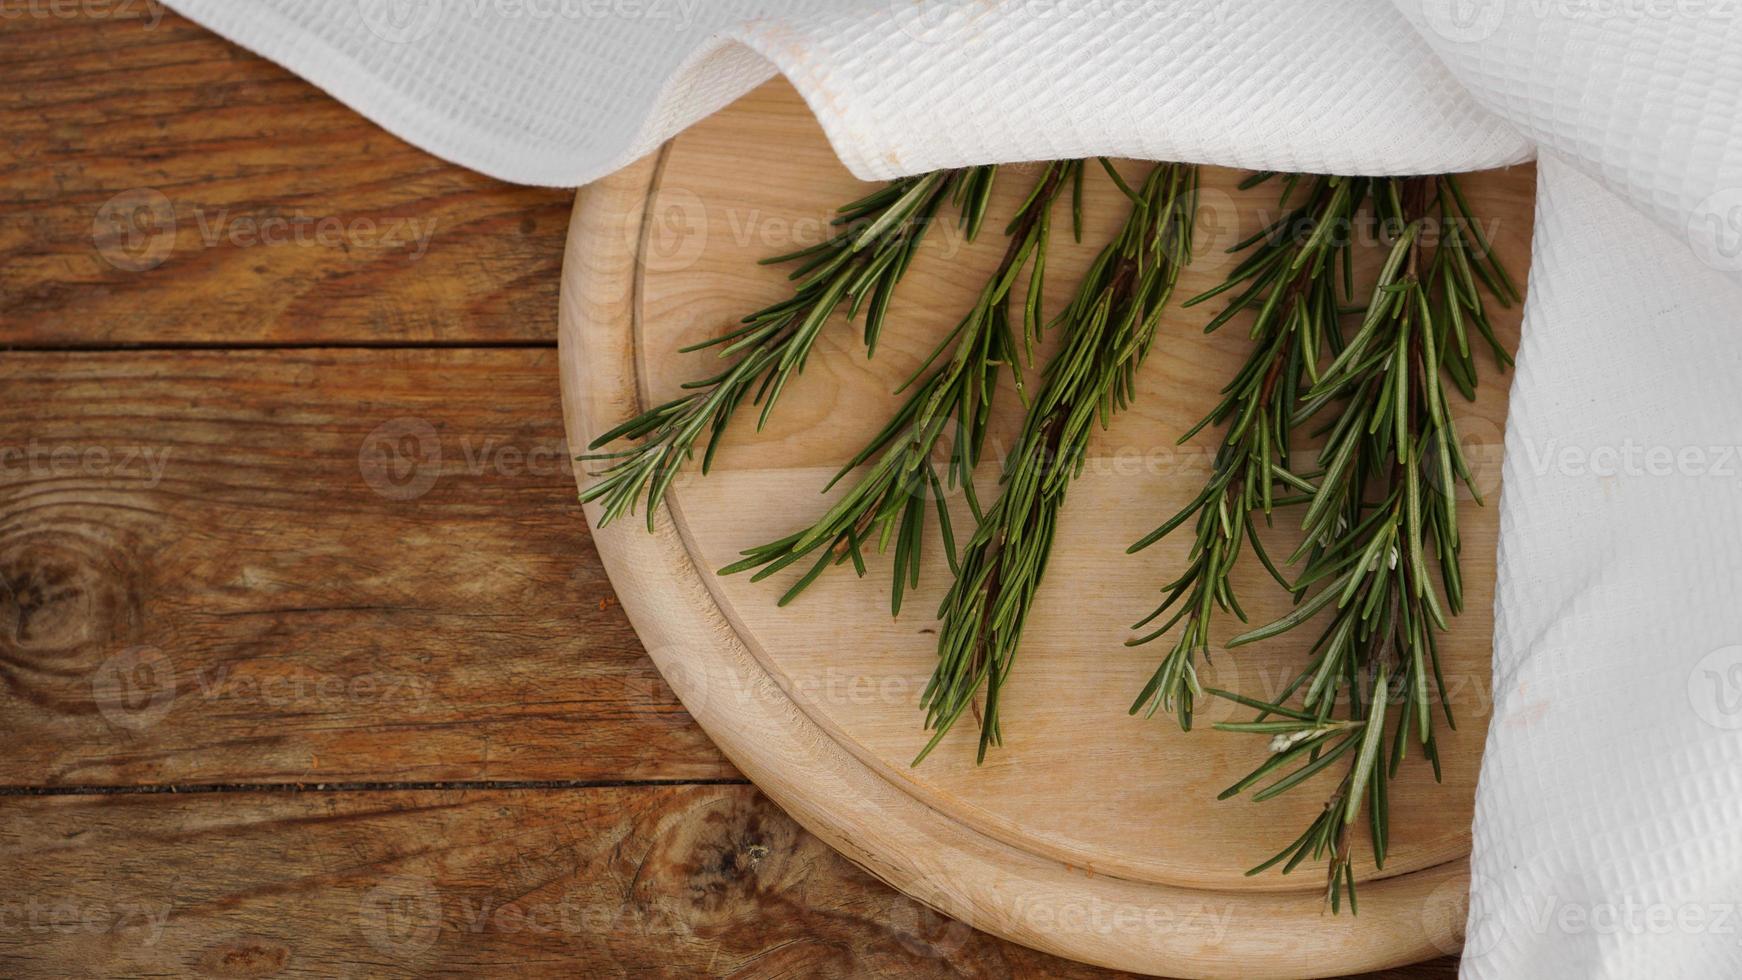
x,y
1290,279
857,269
888,502
1107,331
1378,506
1384,501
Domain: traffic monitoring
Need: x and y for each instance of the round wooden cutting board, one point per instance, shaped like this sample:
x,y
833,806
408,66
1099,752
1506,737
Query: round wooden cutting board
x,y
1092,834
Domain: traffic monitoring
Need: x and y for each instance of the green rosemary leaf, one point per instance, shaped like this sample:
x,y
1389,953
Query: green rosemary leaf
x,y
1288,280
856,262
1106,330
1301,614
1390,464
1370,740
1264,706
944,395
1298,847
1312,768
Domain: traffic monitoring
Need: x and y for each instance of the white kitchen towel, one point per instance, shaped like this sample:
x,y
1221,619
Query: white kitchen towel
x,y
1608,839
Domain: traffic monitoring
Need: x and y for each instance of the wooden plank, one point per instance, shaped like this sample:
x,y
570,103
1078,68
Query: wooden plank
x,y
358,565
667,881
162,186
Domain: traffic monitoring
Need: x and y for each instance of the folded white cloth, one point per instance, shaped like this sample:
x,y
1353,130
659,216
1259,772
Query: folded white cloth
x,y
1606,842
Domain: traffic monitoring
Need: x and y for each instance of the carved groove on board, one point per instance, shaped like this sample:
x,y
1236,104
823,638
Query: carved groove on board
x,y
989,881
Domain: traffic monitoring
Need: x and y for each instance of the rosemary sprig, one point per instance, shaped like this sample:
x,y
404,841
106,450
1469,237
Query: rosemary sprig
x,y
859,266
1290,279
1107,331
888,501
1386,495
1378,502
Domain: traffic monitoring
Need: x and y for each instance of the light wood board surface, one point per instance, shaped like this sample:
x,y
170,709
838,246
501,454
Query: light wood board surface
x,y
1085,808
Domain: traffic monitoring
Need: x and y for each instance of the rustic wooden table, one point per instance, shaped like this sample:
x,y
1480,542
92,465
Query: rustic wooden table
x,y
309,665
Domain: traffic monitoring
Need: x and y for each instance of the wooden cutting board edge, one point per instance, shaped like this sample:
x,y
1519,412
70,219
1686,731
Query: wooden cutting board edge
x,y
975,879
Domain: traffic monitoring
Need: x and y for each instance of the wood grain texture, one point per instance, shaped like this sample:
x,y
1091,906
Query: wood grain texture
x,y
667,881
466,633
811,699
315,566
159,185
